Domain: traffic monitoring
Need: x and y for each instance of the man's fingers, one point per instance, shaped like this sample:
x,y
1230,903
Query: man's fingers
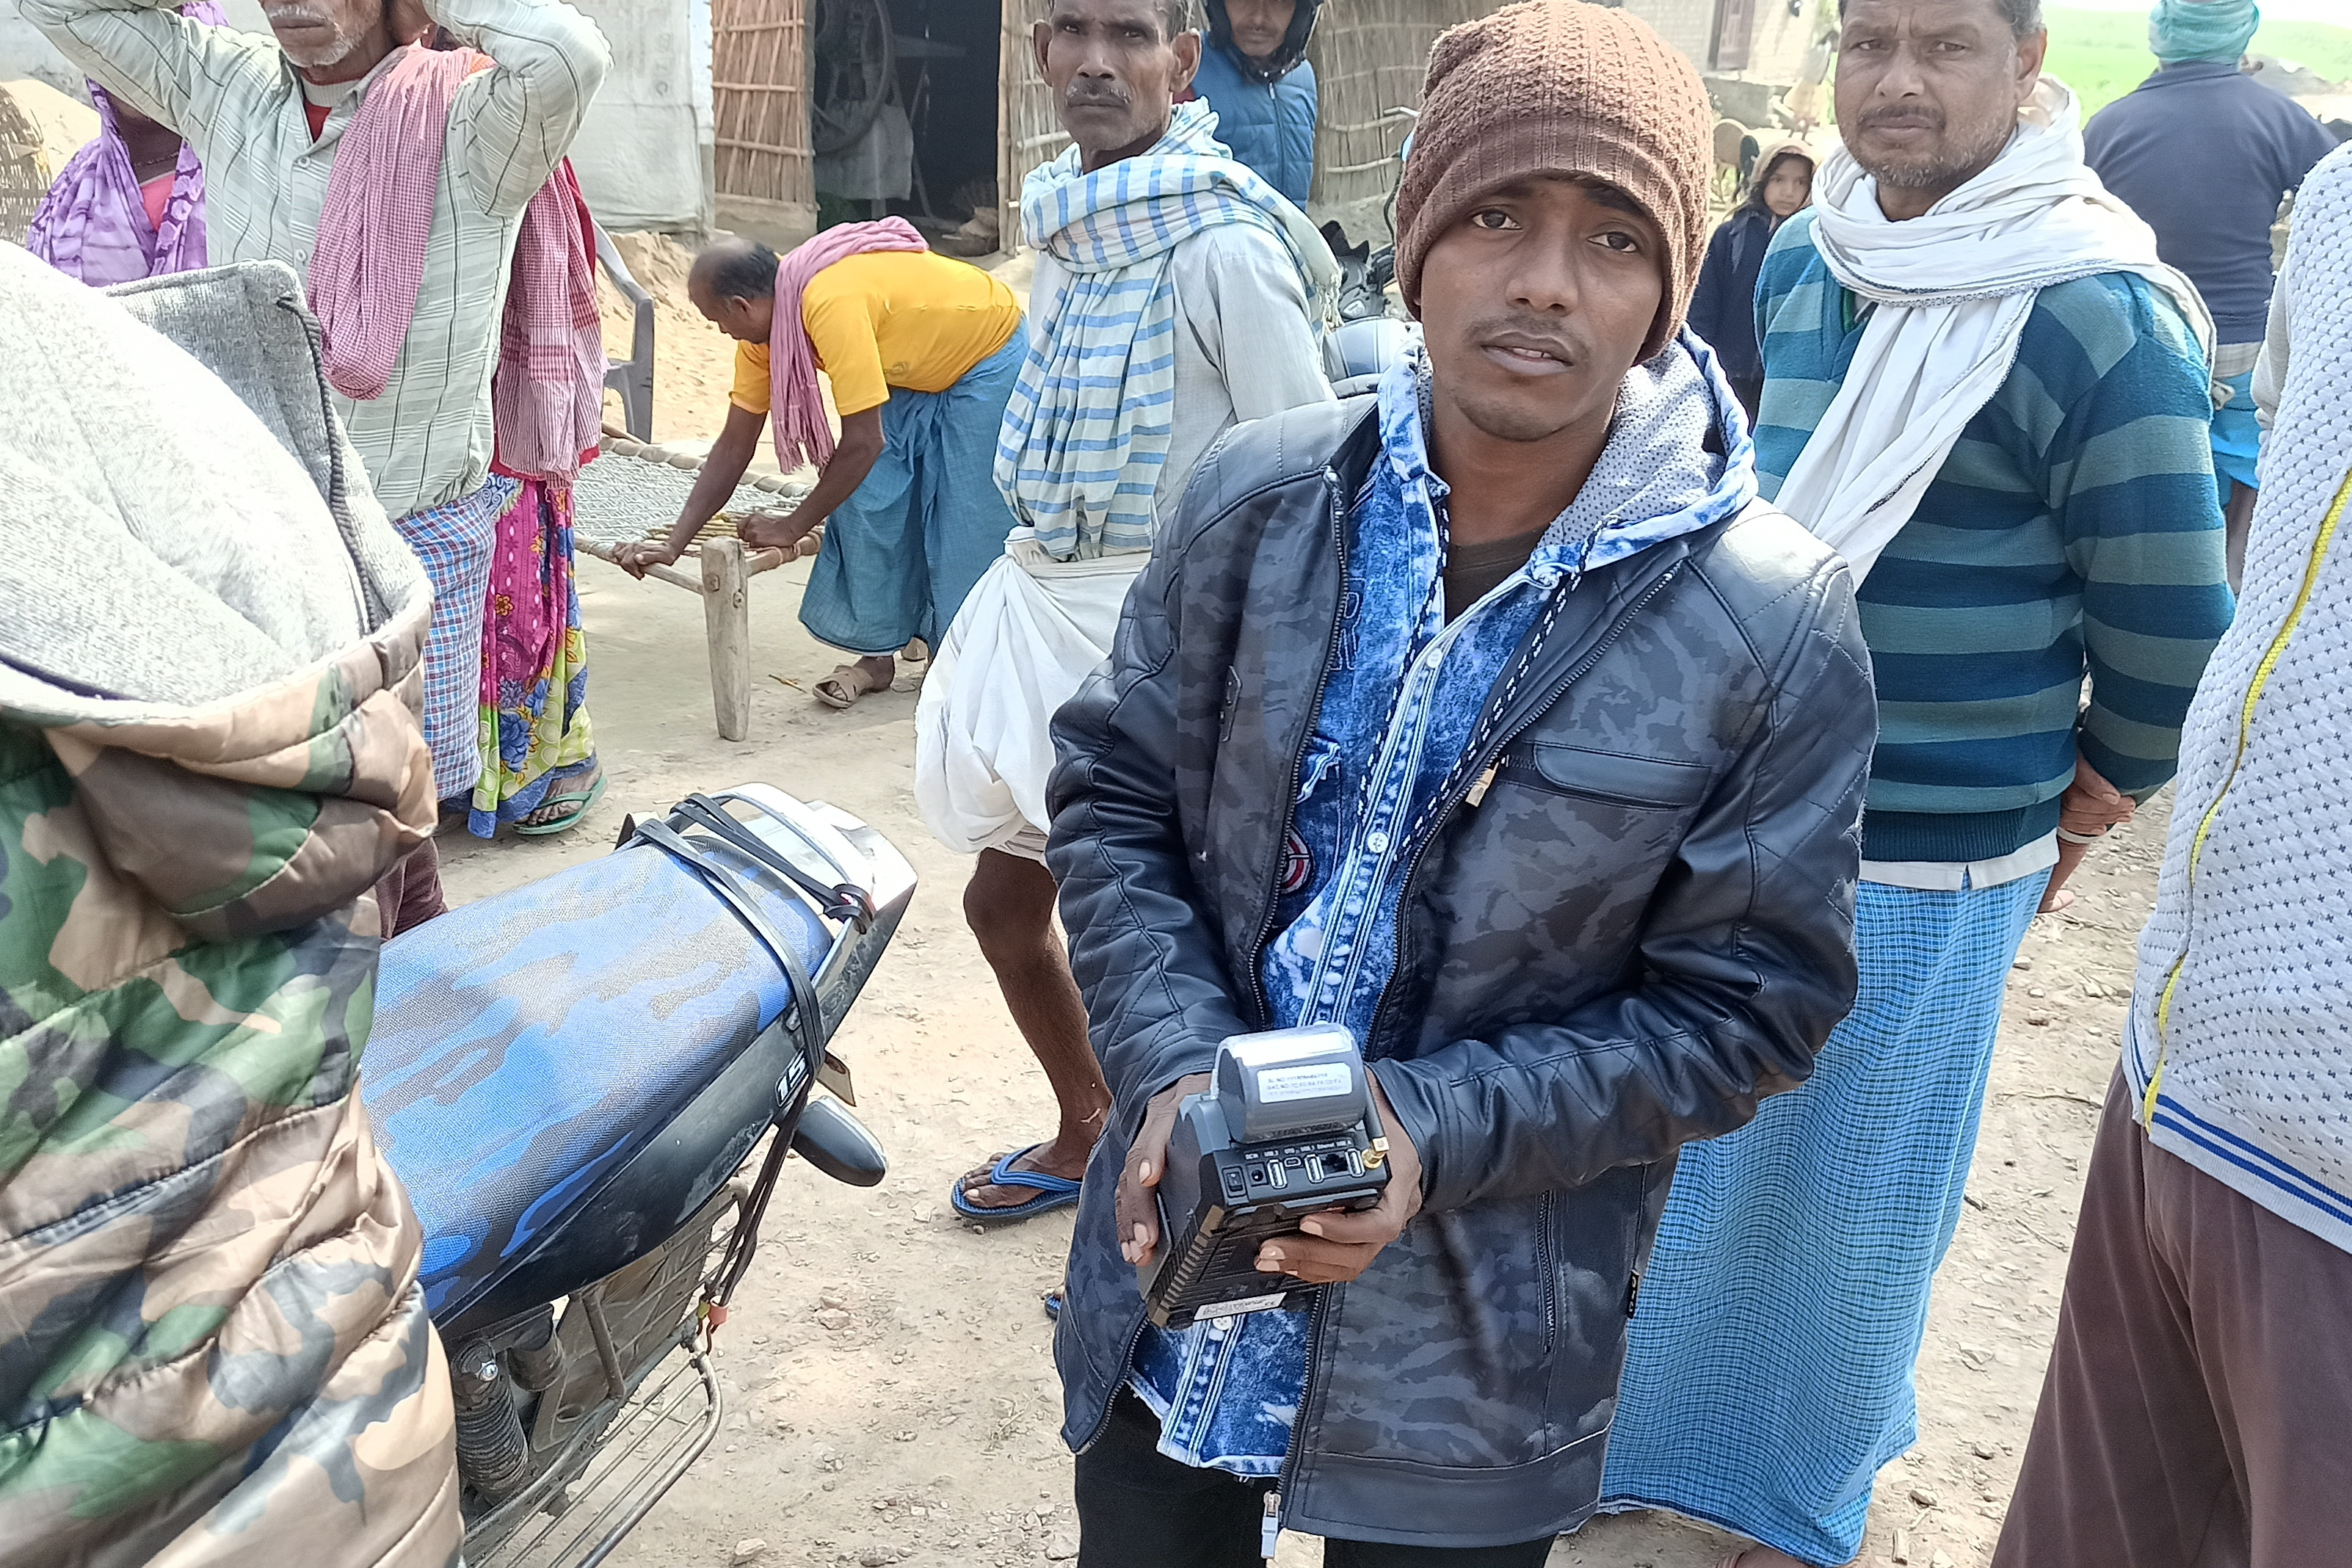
x,y
1375,1226
2089,778
1138,1211
1138,1216
1318,1262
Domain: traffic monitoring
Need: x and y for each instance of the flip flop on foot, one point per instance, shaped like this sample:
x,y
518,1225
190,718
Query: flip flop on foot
x,y
1053,1192
846,684
540,823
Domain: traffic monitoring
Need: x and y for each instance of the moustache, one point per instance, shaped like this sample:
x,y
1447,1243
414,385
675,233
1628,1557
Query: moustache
x,y
1105,97
276,13
1533,332
1927,119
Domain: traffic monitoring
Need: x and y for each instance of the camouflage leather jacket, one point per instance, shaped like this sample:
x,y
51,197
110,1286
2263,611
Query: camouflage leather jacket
x,y
213,1349
1635,927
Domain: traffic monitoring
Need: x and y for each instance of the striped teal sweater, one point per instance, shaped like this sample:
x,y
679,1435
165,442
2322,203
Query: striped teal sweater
x,y
2075,528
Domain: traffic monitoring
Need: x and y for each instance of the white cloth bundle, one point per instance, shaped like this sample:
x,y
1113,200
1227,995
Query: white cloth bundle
x,y
1029,633
1952,290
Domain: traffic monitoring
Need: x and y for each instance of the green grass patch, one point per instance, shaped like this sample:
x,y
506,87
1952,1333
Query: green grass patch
x,y
2102,55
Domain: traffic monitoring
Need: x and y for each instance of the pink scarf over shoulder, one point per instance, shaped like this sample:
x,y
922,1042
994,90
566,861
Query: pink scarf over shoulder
x,y
796,406
547,394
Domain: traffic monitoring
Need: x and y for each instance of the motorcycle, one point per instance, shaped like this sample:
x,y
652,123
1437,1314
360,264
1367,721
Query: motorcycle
x,y
589,1086
1365,273
1373,331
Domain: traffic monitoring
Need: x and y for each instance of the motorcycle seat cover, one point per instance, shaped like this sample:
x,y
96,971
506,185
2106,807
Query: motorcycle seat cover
x,y
528,1044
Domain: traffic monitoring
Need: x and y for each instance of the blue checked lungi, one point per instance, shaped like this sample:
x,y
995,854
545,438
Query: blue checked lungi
x,y
901,553
454,541
1768,1379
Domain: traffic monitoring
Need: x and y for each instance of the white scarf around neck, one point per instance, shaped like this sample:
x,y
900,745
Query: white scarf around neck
x,y
1951,291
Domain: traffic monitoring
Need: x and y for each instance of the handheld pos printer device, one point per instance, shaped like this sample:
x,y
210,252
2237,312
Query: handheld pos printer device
x,y
1287,1128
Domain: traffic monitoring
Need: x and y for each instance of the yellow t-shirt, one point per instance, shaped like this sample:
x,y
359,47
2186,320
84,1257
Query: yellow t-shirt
x,y
890,318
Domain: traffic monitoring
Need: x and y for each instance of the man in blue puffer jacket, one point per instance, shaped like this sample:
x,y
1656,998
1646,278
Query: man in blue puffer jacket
x,y
1253,73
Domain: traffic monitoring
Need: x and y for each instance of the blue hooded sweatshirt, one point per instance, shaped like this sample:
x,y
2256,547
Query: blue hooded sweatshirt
x,y
1265,110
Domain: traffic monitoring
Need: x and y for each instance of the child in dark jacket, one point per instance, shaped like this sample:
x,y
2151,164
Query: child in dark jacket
x,y
1724,309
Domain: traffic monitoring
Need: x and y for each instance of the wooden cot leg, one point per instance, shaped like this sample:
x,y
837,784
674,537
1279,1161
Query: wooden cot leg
x,y
727,617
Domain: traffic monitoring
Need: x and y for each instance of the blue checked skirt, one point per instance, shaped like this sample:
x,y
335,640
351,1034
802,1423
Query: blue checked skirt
x,y
454,541
902,552
1769,1376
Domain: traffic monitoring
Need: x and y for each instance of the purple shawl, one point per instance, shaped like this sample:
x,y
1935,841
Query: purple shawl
x,y
93,223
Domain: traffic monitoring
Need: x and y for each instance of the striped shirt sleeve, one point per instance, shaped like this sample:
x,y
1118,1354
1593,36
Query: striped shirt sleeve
x,y
513,123
2115,392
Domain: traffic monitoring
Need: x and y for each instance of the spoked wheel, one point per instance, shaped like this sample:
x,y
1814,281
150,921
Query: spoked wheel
x,y
854,67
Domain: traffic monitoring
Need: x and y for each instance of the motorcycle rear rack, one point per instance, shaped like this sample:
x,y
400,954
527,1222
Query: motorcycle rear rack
x,y
675,1412
647,1363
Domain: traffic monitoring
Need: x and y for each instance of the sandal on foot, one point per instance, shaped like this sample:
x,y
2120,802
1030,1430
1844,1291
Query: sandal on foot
x,y
846,684
580,801
1053,1192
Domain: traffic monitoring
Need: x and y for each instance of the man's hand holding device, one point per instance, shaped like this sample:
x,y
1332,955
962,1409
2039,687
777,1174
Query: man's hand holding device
x,y
1285,1167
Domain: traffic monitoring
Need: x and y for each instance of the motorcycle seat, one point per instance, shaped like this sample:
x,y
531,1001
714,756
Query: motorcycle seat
x,y
528,1044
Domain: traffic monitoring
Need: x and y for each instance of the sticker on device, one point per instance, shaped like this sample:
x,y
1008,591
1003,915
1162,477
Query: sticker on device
x,y
1277,1084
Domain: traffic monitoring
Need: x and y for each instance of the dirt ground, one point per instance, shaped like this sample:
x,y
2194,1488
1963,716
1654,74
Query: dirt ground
x,y
890,1385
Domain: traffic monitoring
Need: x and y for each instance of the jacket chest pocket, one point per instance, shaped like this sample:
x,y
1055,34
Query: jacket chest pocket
x,y
1579,819
1614,778
1555,864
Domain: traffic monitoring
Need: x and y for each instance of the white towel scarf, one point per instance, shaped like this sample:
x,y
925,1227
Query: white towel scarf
x,y
1952,290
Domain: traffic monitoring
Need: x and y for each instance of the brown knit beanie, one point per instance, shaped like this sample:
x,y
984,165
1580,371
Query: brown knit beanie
x,y
1558,87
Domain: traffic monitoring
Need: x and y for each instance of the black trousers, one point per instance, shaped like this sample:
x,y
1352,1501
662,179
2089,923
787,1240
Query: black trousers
x,y
1140,1509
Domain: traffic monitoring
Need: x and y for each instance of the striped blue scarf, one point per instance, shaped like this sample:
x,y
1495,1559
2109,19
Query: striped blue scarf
x,y
1085,433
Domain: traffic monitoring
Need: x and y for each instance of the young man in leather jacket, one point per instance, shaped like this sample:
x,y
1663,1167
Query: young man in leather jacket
x,y
1495,719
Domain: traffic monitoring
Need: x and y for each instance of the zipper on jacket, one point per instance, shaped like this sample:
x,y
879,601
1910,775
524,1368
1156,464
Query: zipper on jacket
x,y
1126,1360
1299,759
1486,765
2262,679
1547,1258
1271,1532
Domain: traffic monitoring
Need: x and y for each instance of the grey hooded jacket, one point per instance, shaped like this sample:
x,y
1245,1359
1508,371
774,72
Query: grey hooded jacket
x,y
1643,927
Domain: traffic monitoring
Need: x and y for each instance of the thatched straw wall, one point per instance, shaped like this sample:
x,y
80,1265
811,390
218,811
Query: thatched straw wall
x,y
1369,57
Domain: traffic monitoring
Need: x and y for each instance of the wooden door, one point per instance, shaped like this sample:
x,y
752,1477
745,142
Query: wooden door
x,y
1735,25
1029,131
759,91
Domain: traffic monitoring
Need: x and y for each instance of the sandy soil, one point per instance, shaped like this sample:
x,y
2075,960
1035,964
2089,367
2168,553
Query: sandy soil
x,y
915,1420
891,1387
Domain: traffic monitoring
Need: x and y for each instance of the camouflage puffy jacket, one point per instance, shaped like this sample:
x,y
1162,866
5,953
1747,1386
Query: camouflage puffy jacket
x,y
213,1348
